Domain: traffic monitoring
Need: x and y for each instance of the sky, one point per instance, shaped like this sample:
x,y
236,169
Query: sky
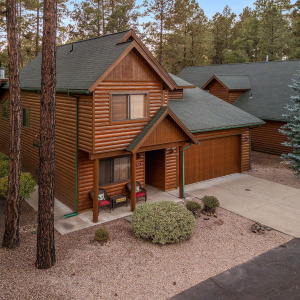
x,y
211,7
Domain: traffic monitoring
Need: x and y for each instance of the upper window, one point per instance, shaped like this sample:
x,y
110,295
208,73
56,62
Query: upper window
x,y
5,109
129,106
114,170
25,117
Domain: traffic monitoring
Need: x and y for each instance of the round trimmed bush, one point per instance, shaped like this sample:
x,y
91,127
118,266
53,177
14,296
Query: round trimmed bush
x,y
162,222
210,202
102,235
192,205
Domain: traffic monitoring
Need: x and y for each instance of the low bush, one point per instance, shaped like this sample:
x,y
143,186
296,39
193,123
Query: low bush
x,y
3,168
162,222
3,157
192,205
210,202
27,184
102,235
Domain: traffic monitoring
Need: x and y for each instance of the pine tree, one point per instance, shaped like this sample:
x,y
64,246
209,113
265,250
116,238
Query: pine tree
x,y
11,233
159,11
292,128
187,31
45,257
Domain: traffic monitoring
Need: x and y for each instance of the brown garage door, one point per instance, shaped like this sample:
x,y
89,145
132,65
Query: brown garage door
x,y
212,158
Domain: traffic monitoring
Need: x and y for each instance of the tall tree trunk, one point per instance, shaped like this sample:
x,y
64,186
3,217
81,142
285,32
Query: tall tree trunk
x,y
103,17
37,29
11,233
161,35
20,34
45,233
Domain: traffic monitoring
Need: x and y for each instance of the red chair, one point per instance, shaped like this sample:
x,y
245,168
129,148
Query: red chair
x,y
101,203
142,193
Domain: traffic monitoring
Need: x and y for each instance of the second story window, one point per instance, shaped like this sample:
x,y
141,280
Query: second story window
x,y
5,109
129,106
25,121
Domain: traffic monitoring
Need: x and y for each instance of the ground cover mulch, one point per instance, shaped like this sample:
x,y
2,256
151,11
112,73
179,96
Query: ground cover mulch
x,y
127,268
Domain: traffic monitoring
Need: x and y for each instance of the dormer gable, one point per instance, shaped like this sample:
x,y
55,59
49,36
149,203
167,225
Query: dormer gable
x,y
227,87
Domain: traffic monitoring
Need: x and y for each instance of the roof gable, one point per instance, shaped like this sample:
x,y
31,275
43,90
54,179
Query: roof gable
x,y
153,133
82,65
133,67
230,82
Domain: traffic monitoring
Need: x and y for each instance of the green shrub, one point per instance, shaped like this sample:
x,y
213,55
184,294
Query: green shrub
x,y
210,202
27,184
3,168
3,157
102,235
162,222
192,205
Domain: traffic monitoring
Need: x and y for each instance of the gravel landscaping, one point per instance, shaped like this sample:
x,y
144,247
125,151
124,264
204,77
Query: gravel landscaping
x,y
127,268
273,168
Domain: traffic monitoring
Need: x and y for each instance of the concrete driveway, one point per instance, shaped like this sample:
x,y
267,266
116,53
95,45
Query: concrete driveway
x,y
270,203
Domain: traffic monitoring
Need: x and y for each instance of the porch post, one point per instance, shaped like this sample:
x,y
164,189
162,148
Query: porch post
x,y
95,190
180,172
133,179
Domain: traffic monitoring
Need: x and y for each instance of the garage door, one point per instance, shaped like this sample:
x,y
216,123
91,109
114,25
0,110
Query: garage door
x,y
212,158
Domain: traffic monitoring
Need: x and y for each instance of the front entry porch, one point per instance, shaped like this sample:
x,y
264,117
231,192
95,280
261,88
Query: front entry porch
x,y
85,219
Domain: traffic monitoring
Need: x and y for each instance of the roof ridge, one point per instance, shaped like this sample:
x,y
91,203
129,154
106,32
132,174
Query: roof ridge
x,y
253,62
96,37
231,75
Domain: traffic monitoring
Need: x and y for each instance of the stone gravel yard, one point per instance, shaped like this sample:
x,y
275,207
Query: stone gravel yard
x,y
127,268
273,168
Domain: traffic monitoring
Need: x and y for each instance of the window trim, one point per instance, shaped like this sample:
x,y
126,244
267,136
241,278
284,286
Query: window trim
x,y
25,108
129,106
114,182
6,100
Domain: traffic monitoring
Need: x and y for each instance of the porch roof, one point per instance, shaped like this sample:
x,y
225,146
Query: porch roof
x,y
161,115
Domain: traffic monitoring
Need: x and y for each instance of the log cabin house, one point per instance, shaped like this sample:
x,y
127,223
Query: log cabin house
x,y
261,89
121,117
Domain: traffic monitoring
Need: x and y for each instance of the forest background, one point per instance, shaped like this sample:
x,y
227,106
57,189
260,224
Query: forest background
x,y
177,31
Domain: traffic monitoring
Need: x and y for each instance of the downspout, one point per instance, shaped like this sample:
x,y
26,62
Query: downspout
x,y
183,196
75,213
250,150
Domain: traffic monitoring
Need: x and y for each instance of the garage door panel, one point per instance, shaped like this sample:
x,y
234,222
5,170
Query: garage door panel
x,y
212,158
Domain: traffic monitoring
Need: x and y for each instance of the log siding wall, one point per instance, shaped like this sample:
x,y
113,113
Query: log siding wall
x,y
112,136
171,168
268,139
64,142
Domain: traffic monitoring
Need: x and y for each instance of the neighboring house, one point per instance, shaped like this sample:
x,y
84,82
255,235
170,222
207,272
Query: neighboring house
x,y
118,120
260,89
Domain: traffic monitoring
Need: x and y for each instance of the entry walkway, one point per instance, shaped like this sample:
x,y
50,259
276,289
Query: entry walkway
x,y
274,274
84,220
270,203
